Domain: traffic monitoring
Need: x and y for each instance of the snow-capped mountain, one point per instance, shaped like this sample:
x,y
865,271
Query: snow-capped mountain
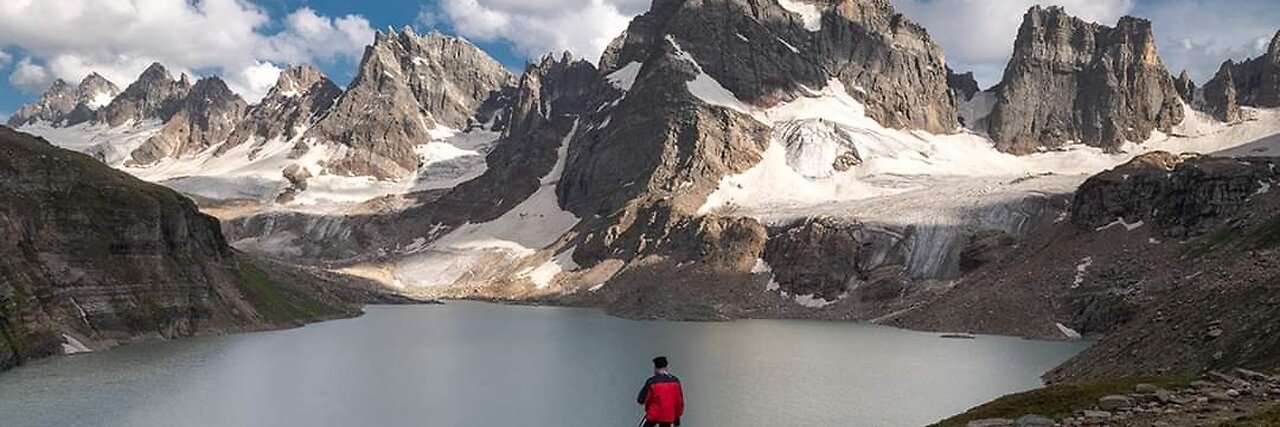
x,y
725,158
63,105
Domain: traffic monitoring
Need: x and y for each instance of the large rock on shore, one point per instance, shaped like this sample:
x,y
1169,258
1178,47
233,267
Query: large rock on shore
x,y
1074,81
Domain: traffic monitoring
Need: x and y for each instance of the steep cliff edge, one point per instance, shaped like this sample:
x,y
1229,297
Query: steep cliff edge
x,y
91,257
1073,81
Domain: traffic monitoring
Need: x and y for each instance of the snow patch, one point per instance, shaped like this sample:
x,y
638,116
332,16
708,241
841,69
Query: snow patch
x,y
71,345
1265,187
99,100
543,274
1121,222
1081,270
812,301
1069,333
809,13
626,76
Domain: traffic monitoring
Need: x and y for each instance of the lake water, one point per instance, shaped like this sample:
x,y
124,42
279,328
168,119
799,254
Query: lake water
x,y
474,364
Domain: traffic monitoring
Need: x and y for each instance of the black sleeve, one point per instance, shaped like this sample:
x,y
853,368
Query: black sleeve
x,y
644,392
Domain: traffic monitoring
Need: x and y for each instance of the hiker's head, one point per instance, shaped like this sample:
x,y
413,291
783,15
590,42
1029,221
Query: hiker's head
x,y
659,363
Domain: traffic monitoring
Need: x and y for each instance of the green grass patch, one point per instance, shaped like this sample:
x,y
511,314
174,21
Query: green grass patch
x,y
1058,401
1265,418
274,302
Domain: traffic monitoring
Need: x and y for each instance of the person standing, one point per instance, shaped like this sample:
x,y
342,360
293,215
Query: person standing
x,y
662,397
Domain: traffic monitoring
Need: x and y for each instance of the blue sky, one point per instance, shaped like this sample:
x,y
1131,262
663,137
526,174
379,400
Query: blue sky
x,y
247,41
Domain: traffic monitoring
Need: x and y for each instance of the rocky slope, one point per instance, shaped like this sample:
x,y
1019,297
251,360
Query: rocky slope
x,y
1148,247
299,98
765,53
407,87
1074,81
91,257
63,105
206,118
154,96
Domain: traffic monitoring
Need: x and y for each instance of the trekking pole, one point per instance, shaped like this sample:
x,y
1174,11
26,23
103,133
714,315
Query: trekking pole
x,y
641,423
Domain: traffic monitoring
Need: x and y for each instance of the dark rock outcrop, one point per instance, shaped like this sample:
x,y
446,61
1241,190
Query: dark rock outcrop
x,y
766,54
63,105
300,97
154,96
205,119
92,253
407,86
964,86
1186,87
830,260
1219,95
1074,81
1182,196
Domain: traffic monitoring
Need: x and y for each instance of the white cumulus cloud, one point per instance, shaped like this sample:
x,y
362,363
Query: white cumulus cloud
x,y
30,77
120,38
583,27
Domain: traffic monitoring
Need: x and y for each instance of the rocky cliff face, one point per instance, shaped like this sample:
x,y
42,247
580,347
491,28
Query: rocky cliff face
x,y
63,105
92,256
1219,96
205,119
765,53
300,97
1180,195
1186,87
154,96
1073,81
407,87
1256,81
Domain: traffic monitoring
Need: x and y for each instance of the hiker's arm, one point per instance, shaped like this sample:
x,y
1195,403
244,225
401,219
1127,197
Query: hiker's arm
x,y
644,393
679,403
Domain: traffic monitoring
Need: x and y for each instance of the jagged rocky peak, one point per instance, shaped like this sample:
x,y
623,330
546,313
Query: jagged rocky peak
x,y
96,91
407,87
1256,81
154,96
1186,87
1220,98
63,105
964,86
767,52
1075,81
301,96
552,87
204,119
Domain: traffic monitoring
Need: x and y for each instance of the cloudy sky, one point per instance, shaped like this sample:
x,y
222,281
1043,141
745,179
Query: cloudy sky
x,y
248,41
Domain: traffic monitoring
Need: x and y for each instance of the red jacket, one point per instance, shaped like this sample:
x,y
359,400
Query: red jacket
x,y
663,399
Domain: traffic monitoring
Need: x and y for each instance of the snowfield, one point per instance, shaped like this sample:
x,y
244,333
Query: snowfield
x,y
253,170
534,224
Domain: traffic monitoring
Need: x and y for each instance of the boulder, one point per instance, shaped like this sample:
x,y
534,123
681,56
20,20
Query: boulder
x,y
1115,402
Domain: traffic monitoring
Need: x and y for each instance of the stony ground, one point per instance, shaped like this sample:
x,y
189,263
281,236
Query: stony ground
x,y
1240,398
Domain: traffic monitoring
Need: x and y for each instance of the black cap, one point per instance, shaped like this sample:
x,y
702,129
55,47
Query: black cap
x,y
659,362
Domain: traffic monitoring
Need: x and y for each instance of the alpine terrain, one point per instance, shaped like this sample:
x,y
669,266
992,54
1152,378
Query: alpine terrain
x,y
723,159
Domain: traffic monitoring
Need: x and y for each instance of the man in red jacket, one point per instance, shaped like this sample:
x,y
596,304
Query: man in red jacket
x,y
662,397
